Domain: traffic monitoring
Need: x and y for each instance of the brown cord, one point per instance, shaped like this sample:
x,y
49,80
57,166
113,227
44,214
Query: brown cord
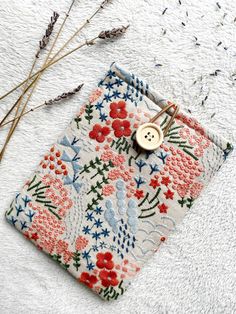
x,y
166,108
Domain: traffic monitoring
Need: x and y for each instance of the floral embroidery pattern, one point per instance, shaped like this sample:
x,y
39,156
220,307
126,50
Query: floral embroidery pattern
x,y
98,204
99,133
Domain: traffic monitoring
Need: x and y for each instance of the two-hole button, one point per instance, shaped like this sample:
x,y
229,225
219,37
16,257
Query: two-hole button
x,y
149,136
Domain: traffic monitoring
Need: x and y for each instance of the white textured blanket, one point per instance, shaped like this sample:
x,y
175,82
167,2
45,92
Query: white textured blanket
x,y
186,50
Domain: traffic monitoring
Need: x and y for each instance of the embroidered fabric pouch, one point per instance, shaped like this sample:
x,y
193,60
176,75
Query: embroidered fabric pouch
x,y
98,204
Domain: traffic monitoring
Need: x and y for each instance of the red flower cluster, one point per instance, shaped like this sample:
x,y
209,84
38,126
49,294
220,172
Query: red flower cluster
x,y
53,162
108,278
104,260
107,275
88,280
121,128
99,133
118,110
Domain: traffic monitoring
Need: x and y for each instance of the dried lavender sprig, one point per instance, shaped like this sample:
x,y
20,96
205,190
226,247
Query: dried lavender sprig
x,y
101,6
44,41
116,32
113,33
49,102
63,96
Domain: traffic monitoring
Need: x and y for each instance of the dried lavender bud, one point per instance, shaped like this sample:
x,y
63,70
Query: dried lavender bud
x,y
43,43
63,96
113,33
104,3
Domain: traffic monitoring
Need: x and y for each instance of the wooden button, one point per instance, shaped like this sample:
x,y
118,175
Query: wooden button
x,y
149,136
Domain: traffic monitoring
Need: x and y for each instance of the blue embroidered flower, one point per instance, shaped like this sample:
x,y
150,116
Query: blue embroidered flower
x,y
98,210
90,266
86,255
140,163
89,216
96,235
98,223
86,230
105,232
139,181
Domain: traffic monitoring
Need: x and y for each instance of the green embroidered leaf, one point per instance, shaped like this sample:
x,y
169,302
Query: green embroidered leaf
x,y
76,258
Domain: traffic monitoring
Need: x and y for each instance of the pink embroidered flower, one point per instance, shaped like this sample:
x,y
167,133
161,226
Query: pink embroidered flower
x,y
50,193
63,192
184,133
182,189
126,176
114,174
193,140
47,179
108,190
81,243
199,151
104,260
163,208
121,128
61,246
99,133
88,280
57,184
108,278
196,189
117,110
67,256
204,142
67,202
107,155
118,160
95,95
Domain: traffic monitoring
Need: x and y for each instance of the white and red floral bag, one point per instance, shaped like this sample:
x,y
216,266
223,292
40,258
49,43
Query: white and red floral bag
x,y
115,184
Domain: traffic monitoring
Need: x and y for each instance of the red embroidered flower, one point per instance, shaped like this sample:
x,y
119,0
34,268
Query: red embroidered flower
x,y
34,236
139,194
88,280
169,194
163,208
154,183
108,278
118,110
121,128
104,260
99,133
165,181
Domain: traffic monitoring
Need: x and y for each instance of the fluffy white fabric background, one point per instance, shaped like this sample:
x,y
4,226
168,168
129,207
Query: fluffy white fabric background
x,y
195,271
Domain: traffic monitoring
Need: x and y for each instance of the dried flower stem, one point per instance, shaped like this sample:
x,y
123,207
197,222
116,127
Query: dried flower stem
x,y
116,32
63,96
43,68
67,42
45,40
42,45
15,123
109,34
